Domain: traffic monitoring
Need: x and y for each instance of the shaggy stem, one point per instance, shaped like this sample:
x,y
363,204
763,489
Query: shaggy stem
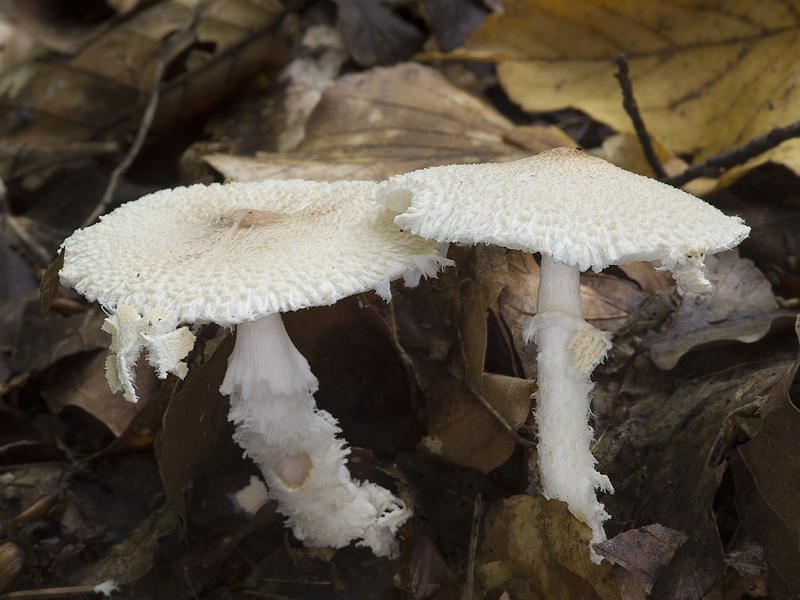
x,y
569,349
296,447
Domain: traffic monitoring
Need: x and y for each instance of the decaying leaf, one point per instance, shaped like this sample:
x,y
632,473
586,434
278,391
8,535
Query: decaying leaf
x,y
384,121
134,556
194,427
103,89
767,479
675,441
85,386
376,35
536,545
608,302
638,554
441,330
707,77
740,306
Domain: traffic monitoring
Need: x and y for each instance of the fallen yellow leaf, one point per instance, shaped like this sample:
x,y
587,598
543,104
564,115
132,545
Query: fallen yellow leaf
x,y
708,77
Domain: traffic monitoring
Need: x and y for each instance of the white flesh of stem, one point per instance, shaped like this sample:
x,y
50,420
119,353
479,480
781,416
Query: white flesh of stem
x,y
296,447
563,404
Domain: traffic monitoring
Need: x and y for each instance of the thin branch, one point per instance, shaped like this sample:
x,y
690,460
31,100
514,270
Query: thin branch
x,y
477,515
172,42
500,418
632,108
715,165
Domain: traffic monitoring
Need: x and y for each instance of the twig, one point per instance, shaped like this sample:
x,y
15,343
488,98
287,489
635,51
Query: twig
x,y
63,592
499,418
170,43
713,166
632,108
477,514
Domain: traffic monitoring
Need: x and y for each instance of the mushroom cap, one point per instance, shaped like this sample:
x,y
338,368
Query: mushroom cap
x,y
239,251
579,209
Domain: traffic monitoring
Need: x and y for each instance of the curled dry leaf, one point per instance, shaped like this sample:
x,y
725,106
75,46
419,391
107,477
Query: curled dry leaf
x,y
376,35
767,477
740,306
391,120
441,330
535,545
608,302
675,444
714,77
638,554
103,89
85,386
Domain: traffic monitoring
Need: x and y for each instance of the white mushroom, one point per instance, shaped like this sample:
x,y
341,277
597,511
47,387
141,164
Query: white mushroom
x,y
579,212
240,254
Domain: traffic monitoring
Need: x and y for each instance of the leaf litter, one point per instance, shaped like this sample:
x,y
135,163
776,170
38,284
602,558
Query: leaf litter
x,y
693,409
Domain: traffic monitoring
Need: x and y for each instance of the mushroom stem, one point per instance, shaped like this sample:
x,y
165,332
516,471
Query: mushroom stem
x,y
569,349
296,447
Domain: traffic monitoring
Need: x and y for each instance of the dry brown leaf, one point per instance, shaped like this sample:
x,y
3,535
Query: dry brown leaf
x,y
539,542
134,556
376,35
767,479
195,427
707,77
608,302
384,121
102,90
42,340
441,330
452,20
637,556
672,460
85,386
740,306
274,120
57,27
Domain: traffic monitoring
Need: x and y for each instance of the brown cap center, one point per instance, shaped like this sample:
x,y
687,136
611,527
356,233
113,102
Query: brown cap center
x,y
245,218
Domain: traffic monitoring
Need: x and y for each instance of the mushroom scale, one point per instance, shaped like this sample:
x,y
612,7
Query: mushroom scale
x,y
239,254
580,213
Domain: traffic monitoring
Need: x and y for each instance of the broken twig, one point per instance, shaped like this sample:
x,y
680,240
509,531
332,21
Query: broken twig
x,y
715,165
632,108
171,43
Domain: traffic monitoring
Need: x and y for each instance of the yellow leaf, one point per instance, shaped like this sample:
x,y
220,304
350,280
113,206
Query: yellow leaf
x,y
708,76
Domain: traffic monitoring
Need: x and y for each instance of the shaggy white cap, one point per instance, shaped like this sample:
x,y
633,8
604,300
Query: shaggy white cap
x,y
578,209
232,253
236,252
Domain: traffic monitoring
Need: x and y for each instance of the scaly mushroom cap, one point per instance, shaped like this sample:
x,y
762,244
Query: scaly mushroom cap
x,y
232,253
578,209
236,252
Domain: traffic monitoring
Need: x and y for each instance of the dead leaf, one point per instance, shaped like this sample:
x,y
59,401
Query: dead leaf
x,y
376,35
608,302
674,446
134,556
275,119
539,541
57,27
103,89
42,340
637,556
452,20
384,121
740,306
711,79
48,288
766,478
195,424
440,328
85,386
